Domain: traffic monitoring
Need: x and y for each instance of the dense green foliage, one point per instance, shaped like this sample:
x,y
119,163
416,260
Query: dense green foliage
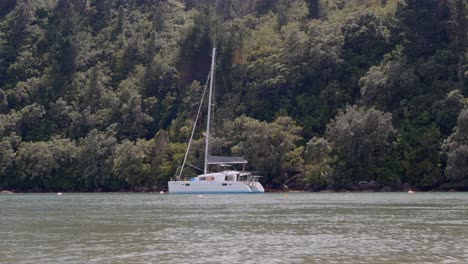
x,y
101,94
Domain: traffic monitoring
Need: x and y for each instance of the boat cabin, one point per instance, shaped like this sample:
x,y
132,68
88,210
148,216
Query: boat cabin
x,y
227,175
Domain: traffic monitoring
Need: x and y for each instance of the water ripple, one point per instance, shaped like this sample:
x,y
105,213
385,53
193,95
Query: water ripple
x,y
269,228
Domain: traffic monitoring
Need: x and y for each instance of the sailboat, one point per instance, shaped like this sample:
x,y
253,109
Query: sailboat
x,y
226,179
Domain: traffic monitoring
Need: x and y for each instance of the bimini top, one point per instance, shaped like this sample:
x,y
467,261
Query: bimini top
x,y
225,160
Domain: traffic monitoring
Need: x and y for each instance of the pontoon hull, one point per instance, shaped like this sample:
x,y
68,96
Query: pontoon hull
x,y
215,187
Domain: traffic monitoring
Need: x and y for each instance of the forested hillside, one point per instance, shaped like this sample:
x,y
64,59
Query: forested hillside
x,y
100,95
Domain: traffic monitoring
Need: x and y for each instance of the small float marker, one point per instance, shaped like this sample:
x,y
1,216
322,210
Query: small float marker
x,y
161,192
411,191
59,193
200,196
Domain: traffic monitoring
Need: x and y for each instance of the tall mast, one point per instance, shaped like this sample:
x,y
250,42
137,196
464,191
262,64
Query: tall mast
x,y
209,111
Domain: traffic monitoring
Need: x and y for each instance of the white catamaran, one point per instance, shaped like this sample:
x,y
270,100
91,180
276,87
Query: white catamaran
x,y
226,180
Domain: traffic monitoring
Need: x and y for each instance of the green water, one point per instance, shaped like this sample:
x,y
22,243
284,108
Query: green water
x,y
260,228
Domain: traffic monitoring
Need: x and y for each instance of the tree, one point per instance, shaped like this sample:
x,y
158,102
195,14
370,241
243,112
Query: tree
x,y
131,163
152,48
314,8
165,157
24,16
424,26
45,165
366,40
264,74
419,146
102,14
362,140
67,18
457,28
133,119
387,84
271,148
95,94
6,6
120,21
29,123
456,148
318,162
447,110
161,78
95,160
289,11
8,148
3,102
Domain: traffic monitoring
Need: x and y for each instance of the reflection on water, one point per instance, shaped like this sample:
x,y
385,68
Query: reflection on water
x,y
259,228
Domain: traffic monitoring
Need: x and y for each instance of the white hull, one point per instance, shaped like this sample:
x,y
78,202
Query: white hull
x,y
215,187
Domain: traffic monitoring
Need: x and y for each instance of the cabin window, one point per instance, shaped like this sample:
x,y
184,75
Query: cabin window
x,y
210,178
226,178
224,184
202,178
187,184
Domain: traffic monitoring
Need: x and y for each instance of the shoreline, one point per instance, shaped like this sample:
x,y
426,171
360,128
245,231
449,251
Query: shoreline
x,y
6,192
